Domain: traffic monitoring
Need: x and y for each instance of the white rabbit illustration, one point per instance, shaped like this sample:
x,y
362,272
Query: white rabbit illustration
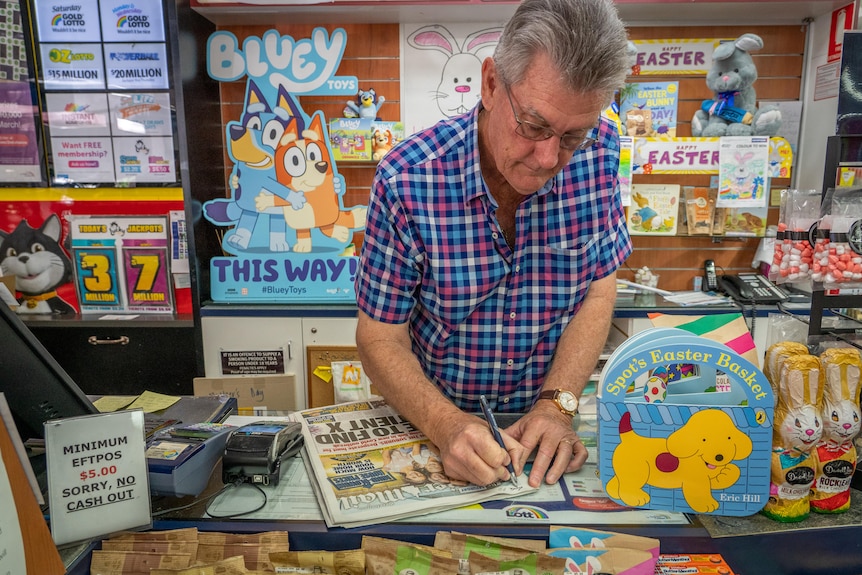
x,y
840,421
640,155
841,418
742,175
801,428
460,83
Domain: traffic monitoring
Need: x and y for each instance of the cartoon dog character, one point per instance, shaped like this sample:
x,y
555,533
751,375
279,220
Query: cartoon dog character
x,y
251,144
303,164
695,458
366,105
381,142
39,264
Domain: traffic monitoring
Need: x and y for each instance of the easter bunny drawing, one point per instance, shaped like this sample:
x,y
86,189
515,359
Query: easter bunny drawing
x,y
796,430
459,89
743,176
836,452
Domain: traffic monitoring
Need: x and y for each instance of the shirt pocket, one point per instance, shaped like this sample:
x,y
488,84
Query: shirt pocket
x,y
567,272
458,289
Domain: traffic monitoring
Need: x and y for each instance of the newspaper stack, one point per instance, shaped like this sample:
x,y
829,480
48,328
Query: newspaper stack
x,y
369,465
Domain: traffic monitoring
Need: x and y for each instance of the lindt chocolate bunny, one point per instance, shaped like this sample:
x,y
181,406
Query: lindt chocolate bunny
x,y
796,430
774,358
836,452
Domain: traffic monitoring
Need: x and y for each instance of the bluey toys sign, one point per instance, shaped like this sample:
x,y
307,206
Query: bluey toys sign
x,y
287,229
685,424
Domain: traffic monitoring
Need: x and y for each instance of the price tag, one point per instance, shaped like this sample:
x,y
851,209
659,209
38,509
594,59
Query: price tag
x,y
97,475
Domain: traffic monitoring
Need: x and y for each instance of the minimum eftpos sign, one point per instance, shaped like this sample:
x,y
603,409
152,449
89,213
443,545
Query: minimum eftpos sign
x,y
265,362
97,475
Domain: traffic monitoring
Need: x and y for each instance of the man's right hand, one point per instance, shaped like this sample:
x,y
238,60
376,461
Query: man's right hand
x,y
470,452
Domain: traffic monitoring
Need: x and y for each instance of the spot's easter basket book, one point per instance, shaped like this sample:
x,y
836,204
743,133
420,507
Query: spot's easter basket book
x,y
685,424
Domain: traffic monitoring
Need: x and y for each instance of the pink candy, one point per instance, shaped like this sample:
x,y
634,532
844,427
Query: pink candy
x,y
792,258
835,263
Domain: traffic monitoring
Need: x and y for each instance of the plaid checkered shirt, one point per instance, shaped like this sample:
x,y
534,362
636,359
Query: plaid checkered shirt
x,y
485,319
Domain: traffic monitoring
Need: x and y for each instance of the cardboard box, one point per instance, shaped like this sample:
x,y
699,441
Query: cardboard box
x,y
351,139
255,395
362,139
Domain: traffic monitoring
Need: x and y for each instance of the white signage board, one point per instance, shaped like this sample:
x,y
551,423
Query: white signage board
x,y
124,21
137,66
97,475
76,21
72,66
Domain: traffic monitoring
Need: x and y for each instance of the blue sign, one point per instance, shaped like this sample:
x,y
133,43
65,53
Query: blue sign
x,y
288,231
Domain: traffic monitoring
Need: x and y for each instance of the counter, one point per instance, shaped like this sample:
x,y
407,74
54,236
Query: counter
x,y
820,544
828,544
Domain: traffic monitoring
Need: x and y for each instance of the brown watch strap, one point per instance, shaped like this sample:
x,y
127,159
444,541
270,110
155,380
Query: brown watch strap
x,y
554,395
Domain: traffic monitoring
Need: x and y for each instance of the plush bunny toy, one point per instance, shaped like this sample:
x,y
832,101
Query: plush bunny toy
x,y
836,453
733,110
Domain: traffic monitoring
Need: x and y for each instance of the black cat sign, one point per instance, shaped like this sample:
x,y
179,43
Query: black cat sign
x,y
34,257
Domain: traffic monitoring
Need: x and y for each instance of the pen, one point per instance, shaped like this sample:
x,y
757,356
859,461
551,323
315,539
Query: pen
x,y
495,431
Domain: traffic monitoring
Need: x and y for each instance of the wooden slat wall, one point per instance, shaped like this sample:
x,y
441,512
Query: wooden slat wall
x,y
779,66
372,55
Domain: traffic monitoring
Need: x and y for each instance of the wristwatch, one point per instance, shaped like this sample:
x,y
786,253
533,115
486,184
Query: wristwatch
x,y
566,401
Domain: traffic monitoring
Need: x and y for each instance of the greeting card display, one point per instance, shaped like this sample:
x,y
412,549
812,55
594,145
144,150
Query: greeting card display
x,y
122,264
685,424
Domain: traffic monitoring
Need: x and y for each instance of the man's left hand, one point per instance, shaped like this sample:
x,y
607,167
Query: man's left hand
x,y
558,448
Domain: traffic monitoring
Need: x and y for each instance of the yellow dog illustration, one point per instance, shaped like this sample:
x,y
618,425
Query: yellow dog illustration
x,y
695,458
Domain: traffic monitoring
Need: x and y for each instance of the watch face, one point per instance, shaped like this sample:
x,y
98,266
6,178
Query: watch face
x,y
568,401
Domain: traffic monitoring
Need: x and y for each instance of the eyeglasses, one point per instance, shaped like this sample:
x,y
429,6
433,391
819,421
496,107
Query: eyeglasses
x,y
537,133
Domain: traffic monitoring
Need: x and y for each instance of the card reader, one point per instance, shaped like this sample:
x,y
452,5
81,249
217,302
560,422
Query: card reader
x,y
254,452
181,460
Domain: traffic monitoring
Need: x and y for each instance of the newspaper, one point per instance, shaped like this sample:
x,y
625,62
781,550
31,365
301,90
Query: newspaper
x,y
369,465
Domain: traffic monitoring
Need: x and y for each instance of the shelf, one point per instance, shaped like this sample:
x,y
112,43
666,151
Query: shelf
x,y
633,12
93,320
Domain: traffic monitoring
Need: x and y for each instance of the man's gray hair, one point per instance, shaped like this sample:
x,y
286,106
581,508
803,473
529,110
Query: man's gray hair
x,y
585,40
